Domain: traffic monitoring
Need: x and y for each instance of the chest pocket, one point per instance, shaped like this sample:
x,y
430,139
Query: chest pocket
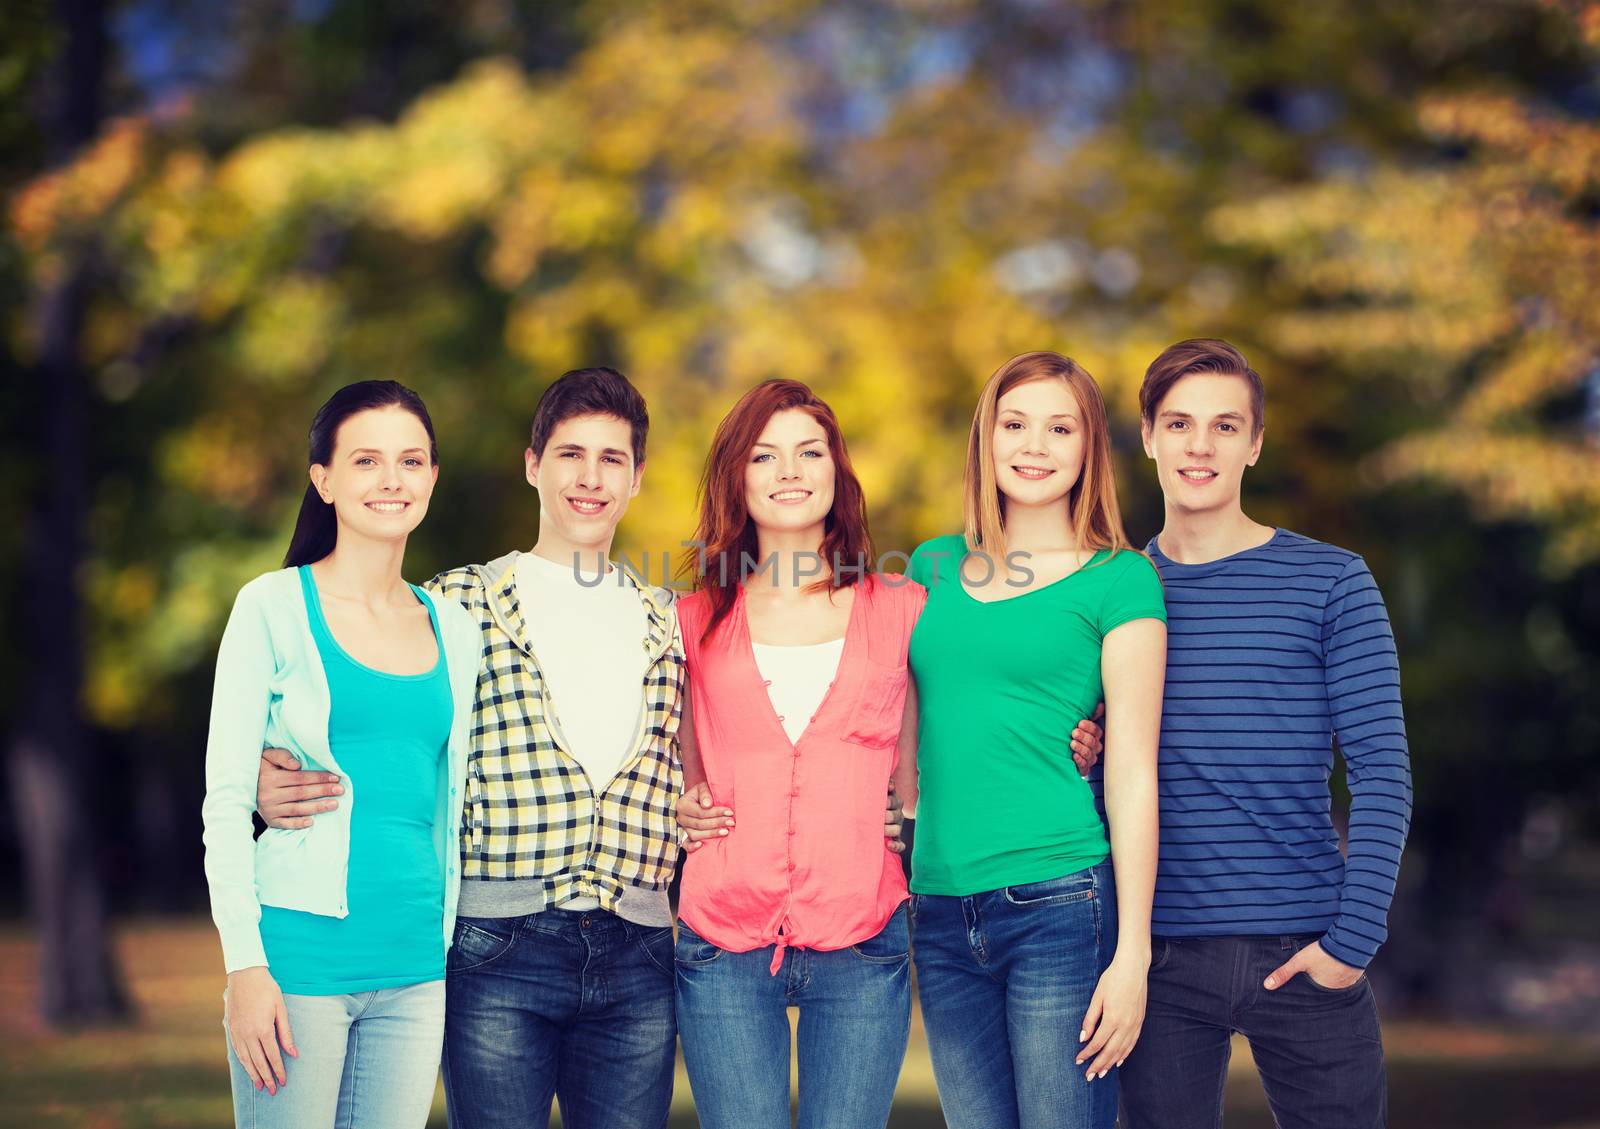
x,y
876,721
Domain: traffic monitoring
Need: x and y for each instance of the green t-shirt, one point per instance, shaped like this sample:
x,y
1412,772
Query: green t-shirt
x,y
1000,687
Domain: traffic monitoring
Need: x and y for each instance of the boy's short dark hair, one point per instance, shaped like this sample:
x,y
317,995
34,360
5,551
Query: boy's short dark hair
x,y
1200,354
589,392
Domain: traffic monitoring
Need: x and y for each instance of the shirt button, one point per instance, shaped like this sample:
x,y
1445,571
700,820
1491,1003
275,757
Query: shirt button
x,y
791,866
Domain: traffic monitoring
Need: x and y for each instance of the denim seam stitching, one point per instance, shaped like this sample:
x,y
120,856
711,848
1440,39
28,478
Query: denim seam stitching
x,y
354,1053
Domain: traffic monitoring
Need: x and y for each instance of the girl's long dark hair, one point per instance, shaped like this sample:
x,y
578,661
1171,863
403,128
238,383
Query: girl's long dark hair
x,y
317,530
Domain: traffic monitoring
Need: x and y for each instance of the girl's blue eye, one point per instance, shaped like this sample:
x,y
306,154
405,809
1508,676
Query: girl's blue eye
x,y
812,453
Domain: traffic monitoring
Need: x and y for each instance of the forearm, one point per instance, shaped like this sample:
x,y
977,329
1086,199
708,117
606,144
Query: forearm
x,y
1380,811
905,770
1131,809
1133,670
694,768
1368,722
230,877
905,784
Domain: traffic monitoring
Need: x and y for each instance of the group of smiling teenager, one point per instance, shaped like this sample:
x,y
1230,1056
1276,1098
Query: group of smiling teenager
x,y
533,741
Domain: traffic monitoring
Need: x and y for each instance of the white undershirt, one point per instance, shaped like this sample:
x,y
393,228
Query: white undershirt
x,y
797,679
590,642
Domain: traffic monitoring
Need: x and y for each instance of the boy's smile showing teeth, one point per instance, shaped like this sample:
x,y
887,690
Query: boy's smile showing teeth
x,y
1197,473
588,507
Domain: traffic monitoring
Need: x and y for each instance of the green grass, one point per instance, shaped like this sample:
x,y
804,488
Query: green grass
x,y
168,1070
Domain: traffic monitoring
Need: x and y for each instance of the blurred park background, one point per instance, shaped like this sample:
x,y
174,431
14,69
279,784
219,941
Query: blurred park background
x,y
217,213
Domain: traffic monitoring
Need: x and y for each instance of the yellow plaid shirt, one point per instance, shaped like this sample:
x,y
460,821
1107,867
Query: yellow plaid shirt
x,y
530,811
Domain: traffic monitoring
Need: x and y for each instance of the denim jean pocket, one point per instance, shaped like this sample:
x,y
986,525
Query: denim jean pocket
x,y
478,942
693,950
657,945
1160,953
889,945
1300,943
1066,890
1327,991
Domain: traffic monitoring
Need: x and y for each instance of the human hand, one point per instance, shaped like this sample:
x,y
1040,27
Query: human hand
x,y
1088,741
894,818
258,1021
1116,1013
700,818
288,797
1322,969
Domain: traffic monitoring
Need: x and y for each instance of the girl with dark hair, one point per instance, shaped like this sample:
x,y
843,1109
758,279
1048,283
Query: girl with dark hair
x,y
796,657
334,935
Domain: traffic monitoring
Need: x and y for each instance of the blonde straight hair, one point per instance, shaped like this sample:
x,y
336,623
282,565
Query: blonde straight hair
x,y
1091,503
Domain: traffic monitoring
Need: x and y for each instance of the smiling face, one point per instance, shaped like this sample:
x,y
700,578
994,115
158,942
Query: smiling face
x,y
1038,442
380,476
1201,441
586,477
788,480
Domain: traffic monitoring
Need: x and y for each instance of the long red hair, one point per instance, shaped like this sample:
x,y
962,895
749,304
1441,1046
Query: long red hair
x,y
727,536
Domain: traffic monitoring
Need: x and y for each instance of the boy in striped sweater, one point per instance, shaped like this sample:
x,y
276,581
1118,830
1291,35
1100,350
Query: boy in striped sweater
x,y
1279,651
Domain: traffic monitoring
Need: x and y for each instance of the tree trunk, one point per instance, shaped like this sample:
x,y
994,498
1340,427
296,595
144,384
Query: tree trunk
x,y
53,775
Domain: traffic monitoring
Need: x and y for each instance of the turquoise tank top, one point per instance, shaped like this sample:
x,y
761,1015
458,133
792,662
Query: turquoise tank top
x,y
389,733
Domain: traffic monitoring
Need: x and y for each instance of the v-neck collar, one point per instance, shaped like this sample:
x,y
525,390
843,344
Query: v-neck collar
x,y
852,642
1095,557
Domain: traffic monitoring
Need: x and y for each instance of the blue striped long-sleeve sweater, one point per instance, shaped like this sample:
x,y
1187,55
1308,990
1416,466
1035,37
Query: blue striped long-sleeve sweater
x,y
1275,656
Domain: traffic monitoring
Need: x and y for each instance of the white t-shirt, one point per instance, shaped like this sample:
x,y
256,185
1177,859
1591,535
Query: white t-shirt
x,y
797,680
590,641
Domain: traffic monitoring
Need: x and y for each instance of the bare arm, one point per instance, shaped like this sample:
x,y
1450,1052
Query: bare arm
x,y
694,769
1133,663
904,781
699,815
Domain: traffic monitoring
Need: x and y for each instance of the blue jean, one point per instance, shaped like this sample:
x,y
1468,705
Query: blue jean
x,y
1005,978
367,1061
575,1006
855,1018
1319,1050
